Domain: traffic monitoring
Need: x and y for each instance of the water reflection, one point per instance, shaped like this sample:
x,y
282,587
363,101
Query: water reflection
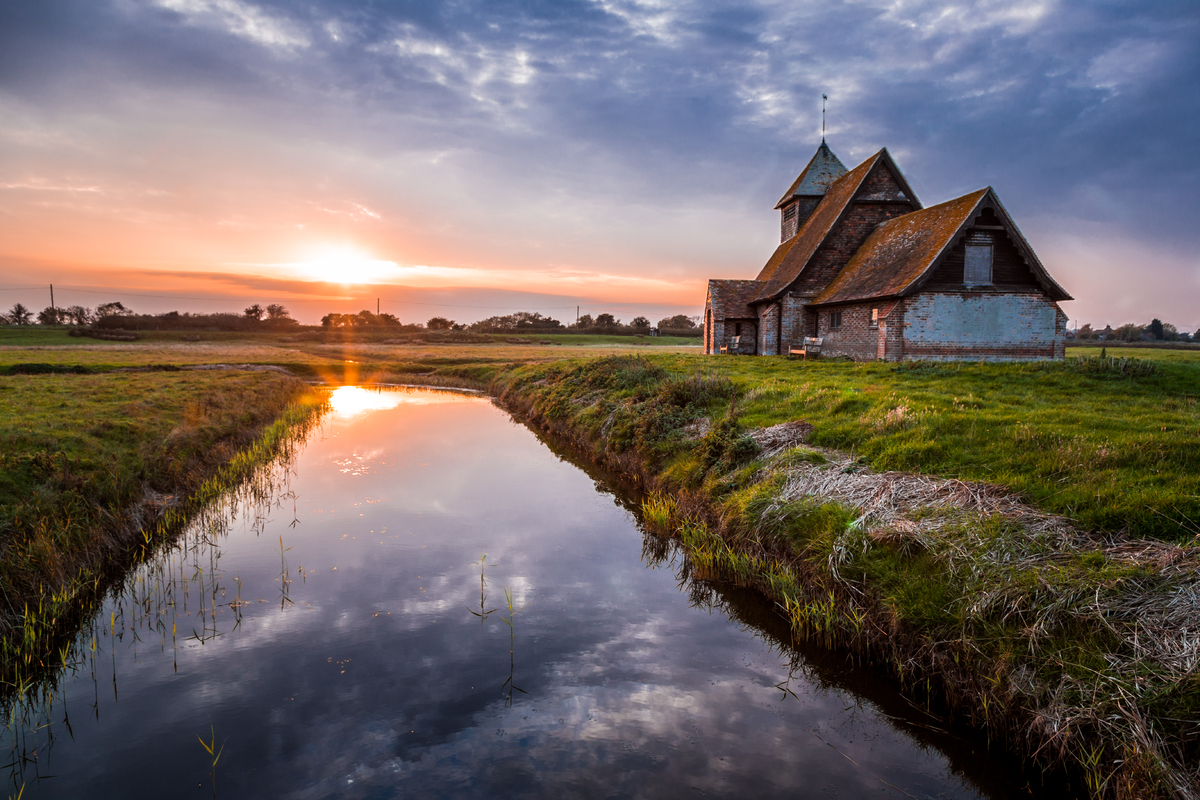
x,y
330,639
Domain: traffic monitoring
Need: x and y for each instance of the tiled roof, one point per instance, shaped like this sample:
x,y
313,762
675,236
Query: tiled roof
x,y
776,259
731,299
823,169
784,267
899,251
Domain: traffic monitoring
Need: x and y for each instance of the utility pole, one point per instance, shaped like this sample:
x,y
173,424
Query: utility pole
x,y
377,306
576,316
52,298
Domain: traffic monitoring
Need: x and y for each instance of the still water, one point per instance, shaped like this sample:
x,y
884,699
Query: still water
x,y
436,604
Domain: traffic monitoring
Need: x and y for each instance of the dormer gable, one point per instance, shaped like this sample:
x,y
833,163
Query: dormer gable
x,y
930,249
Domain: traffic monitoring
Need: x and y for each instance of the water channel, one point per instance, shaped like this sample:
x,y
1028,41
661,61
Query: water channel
x,y
437,604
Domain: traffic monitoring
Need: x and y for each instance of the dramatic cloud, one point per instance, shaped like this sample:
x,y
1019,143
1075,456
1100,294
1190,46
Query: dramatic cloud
x,y
607,151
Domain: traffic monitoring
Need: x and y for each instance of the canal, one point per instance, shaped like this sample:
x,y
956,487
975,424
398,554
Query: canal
x,y
435,603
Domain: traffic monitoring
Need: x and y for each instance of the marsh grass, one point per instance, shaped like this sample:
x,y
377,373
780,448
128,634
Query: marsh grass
x,y
170,587
214,755
100,504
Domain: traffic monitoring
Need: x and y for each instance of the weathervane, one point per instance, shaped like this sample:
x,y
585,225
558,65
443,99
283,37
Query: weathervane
x,y
824,97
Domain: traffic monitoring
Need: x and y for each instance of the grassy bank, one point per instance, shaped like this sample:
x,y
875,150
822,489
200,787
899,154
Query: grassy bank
x,y
95,470
1041,576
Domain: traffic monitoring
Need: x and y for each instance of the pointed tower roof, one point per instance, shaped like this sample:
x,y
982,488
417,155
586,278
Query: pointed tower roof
x,y
823,169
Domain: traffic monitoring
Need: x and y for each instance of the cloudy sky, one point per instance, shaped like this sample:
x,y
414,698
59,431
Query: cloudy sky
x,y
469,158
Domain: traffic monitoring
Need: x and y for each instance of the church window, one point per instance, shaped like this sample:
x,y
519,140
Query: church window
x,y
835,319
875,317
977,267
789,213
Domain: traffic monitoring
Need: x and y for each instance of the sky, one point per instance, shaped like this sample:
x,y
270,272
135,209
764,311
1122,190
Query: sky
x,y
465,159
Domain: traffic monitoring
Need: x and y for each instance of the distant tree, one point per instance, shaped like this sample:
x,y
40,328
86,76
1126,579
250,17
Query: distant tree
x,y
522,320
19,315
1085,332
255,312
113,309
440,324
607,321
334,320
52,316
585,321
640,322
1129,332
1156,328
1170,332
277,312
79,315
677,322
389,319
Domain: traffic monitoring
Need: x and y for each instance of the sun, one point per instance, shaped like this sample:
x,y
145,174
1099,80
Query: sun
x,y
346,266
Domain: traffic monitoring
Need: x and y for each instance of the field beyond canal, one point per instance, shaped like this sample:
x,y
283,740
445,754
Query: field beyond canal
x,y
1018,541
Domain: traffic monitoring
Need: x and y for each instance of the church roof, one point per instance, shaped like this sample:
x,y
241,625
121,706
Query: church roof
x,y
902,252
792,256
731,299
823,169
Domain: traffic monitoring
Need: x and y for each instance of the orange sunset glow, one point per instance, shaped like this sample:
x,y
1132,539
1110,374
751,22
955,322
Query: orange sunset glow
x,y
202,155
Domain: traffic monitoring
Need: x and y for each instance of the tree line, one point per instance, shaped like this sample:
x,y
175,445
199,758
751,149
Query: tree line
x,y
1156,330
520,322
115,315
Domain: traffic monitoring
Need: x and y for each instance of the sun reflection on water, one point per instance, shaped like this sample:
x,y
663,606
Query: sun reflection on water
x,y
353,401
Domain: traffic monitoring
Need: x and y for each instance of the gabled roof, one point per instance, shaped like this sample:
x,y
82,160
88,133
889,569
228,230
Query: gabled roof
x,y
731,299
901,254
775,260
792,256
823,169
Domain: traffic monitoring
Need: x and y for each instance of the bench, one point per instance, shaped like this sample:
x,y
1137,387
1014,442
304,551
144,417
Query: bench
x,y
734,346
810,347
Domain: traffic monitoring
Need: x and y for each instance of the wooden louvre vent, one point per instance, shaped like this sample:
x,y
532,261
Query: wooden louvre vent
x,y
977,266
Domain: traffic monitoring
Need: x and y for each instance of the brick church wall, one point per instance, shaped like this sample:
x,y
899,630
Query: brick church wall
x,y
982,326
891,331
856,337
793,324
724,332
768,330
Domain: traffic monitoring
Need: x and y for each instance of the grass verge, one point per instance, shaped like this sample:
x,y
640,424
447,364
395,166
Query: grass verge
x,y
1065,625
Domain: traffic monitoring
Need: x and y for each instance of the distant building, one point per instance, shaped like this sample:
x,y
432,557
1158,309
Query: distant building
x,y
862,265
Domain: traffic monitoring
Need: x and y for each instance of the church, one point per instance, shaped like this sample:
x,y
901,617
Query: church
x,y
864,266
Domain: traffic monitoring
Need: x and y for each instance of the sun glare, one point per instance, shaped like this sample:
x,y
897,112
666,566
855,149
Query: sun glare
x,y
347,267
